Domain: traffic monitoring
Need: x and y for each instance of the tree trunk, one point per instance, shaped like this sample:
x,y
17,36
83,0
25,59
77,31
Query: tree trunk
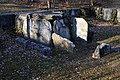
x,y
91,2
67,3
48,4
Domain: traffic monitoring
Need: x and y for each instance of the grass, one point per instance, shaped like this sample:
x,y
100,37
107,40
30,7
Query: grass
x,y
109,40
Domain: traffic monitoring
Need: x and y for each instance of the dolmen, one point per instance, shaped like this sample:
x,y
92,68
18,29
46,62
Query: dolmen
x,y
57,31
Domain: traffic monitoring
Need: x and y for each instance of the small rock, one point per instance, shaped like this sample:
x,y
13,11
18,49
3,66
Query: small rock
x,y
101,50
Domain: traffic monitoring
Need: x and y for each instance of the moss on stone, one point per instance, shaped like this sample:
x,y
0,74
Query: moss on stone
x,y
113,18
19,28
99,13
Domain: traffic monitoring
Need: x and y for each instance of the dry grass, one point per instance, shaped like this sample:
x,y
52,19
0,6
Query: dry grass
x,y
110,40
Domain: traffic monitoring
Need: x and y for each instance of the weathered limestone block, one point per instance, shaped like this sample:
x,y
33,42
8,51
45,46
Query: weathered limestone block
x,y
35,28
21,24
62,43
82,28
41,31
101,50
45,31
71,23
45,51
61,29
118,15
107,13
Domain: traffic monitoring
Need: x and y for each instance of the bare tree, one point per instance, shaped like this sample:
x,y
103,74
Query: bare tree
x,y
48,3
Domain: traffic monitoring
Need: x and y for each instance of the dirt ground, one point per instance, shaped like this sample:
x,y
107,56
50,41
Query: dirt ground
x,y
17,63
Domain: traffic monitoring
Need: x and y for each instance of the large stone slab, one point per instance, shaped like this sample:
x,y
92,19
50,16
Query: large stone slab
x,y
73,29
76,12
118,15
82,28
41,31
35,28
107,13
61,29
62,43
21,24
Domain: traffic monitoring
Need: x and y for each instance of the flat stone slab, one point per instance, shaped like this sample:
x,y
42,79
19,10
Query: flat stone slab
x,y
35,28
118,15
82,28
62,43
61,29
46,51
